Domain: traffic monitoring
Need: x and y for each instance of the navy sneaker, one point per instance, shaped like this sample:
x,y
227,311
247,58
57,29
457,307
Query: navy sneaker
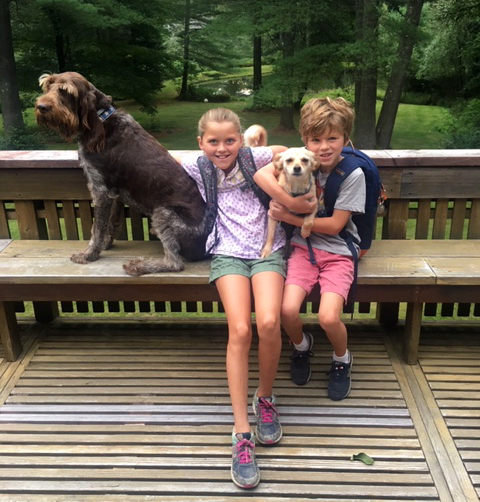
x,y
269,430
340,382
245,472
300,370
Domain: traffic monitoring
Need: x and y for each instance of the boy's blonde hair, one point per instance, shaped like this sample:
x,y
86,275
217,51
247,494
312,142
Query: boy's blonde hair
x,y
218,115
320,115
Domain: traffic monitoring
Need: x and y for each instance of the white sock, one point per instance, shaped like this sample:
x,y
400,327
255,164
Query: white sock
x,y
304,345
343,359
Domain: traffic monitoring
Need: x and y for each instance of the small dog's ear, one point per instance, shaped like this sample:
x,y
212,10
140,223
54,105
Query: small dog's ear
x,y
278,163
315,163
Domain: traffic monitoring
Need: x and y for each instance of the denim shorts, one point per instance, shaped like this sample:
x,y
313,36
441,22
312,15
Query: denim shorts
x,y
229,265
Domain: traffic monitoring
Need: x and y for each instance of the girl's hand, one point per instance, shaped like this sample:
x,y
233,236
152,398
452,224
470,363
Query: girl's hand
x,y
303,204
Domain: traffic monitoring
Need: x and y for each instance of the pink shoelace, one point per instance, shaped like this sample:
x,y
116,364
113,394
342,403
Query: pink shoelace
x,y
267,409
244,447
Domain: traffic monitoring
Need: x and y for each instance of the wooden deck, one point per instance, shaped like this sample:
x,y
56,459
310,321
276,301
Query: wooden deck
x,y
104,412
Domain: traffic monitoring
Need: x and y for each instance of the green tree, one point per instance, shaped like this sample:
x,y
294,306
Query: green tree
x,y
118,44
9,97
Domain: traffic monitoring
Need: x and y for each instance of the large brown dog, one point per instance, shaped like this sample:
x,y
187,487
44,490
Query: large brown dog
x,y
124,165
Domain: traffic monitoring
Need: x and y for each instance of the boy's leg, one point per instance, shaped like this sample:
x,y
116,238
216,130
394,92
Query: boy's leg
x,y
331,305
293,297
234,291
267,291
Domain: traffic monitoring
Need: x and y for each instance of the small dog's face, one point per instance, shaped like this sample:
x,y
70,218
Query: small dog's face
x,y
296,163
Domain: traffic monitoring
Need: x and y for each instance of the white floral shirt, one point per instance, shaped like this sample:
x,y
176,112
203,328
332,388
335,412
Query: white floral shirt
x,y
242,218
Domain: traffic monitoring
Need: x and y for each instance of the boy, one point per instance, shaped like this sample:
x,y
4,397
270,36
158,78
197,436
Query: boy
x,y
325,127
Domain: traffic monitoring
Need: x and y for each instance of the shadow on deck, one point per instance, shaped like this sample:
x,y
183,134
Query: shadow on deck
x,y
103,412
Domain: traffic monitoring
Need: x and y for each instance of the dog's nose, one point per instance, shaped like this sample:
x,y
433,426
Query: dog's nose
x,y
297,169
42,108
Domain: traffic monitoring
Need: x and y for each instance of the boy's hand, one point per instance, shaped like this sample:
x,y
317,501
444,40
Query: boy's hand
x,y
303,204
278,211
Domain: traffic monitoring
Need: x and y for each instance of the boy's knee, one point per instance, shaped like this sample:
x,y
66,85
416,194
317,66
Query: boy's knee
x,y
289,313
328,320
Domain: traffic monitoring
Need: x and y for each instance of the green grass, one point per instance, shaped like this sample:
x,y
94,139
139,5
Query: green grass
x,y
175,123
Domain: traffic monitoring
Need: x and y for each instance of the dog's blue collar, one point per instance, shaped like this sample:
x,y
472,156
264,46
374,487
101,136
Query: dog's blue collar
x,y
105,113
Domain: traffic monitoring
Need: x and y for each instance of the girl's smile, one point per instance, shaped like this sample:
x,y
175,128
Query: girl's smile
x,y
221,142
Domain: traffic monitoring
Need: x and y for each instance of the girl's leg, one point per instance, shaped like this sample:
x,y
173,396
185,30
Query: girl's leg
x,y
268,292
293,297
331,305
234,291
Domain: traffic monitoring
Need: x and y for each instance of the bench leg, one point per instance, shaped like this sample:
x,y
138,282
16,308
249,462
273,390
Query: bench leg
x,y
387,314
413,322
45,311
10,337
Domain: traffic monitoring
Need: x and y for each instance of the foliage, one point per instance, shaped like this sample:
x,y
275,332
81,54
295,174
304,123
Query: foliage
x,y
22,139
117,44
463,129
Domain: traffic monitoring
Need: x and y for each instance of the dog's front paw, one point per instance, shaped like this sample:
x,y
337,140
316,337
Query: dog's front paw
x,y
305,232
83,257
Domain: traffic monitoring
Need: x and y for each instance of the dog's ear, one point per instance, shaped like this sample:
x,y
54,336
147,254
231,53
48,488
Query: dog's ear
x,y
92,126
315,162
45,80
278,163
102,101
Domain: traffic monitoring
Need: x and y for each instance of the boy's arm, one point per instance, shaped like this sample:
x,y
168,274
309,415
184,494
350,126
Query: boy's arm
x,y
331,225
265,178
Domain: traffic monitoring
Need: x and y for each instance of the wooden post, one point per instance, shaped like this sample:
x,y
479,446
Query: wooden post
x,y
12,345
413,323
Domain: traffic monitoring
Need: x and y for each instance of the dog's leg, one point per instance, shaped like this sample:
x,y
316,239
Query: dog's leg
x,y
101,214
113,224
267,248
309,219
166,225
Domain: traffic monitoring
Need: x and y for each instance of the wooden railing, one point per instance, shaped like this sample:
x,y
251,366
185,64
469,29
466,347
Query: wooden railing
x,y
432,194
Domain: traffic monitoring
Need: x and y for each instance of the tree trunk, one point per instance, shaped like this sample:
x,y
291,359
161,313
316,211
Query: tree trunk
x,y
186,53
11,106
257,63
396,83
365,118
286,109
59,38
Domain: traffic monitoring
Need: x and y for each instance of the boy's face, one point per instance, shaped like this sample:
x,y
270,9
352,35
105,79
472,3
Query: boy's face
x,y
327,148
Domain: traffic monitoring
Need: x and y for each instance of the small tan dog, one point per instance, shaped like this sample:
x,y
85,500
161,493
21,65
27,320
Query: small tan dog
x,y
295,168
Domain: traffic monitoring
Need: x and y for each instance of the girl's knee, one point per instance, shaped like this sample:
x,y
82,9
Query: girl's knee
x,y
268,325
240,335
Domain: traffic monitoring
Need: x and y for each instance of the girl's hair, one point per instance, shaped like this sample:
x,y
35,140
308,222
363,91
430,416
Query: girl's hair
x,y
320,115
218,115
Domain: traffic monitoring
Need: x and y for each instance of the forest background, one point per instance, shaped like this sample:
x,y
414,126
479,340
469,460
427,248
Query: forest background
x,y
411,67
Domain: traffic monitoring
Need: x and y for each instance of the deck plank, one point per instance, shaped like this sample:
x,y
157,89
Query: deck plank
x,y
103,413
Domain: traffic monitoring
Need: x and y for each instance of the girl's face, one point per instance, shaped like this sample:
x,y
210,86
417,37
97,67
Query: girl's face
x,y
327,148
220,143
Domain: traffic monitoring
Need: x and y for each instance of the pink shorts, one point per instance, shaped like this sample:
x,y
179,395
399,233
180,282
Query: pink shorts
x,y
333,272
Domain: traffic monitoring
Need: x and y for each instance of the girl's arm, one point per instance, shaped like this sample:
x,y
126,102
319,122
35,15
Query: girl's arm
x,y
277,149
331,225
265,178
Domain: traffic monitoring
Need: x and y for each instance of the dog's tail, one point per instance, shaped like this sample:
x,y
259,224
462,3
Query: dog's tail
x,y
255,135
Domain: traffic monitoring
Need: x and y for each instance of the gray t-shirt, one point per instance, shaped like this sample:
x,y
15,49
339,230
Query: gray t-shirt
x,y
351,197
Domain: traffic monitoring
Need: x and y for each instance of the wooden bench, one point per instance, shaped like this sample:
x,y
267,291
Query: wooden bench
x,y
415,272
422,254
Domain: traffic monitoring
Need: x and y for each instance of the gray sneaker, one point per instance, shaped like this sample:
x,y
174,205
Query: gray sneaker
x,y
245,472
269,430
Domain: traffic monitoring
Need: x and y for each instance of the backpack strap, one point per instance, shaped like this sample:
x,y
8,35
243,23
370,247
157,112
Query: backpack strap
x,y
248,168
209,177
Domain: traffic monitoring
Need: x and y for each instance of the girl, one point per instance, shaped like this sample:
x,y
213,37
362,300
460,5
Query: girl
x,y
237,270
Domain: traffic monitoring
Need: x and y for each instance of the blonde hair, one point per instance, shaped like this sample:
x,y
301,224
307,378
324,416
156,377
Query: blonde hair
x,y
320,115
218,115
